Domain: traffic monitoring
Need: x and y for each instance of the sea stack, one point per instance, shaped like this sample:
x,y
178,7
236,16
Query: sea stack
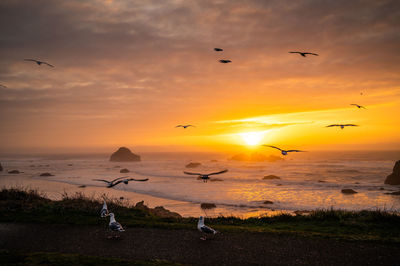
x,y
124,155
394,178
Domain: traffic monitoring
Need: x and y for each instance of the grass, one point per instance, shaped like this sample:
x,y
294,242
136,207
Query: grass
x,y
45,258
23,206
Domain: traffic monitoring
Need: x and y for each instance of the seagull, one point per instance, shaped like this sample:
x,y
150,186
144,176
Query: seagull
x,y
185,126
303,54
225,61
284,152
343,125
204,228
359,106
205,177
119,180
218,49
114,226
39,62
104,210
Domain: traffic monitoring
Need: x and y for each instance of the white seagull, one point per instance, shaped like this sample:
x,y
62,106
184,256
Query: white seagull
x,y
104,210
185,126
114,225
205,177
39,62
225,61
284,152
358,106
205,229
303,54
343,125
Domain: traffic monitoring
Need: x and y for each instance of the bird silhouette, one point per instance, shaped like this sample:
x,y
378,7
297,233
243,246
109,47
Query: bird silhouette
x,y
358,106
38,62
218,49
303,54
284,152
185,126
205,177
119,180
225,61
343,125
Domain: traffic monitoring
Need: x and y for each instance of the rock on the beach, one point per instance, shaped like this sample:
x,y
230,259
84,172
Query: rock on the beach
x,y
271,177
157,211
207,206
349,191
268,202
124,155
124,170
394,178
46,174
1,168
192,165
14,172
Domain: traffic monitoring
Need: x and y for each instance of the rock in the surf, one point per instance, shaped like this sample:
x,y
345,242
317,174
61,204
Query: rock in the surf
x,y
124,155
124,171
193,165
46,174
394,178
348,191
271,177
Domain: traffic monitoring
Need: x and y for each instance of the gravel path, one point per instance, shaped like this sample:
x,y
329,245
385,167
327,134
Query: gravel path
x,y
184,246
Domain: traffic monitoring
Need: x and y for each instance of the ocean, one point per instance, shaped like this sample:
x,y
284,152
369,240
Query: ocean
x,y
308,181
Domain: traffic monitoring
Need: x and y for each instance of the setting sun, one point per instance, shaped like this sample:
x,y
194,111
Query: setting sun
x,y
252,138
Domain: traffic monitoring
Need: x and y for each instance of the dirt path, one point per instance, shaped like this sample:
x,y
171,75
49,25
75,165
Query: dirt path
x,y
184,246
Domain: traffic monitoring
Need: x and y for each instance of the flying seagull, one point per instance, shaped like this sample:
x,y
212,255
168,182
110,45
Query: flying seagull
x,y
39,62
303,54
225,61
104,210
342,125
205,177
185,126
119,180
284,152
218,49
205,229
358,106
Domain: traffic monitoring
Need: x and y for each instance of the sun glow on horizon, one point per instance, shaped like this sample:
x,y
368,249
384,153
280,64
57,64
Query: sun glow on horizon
x,y
252,138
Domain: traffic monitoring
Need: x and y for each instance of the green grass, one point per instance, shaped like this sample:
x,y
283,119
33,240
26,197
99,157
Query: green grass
x,y
45,258
22,206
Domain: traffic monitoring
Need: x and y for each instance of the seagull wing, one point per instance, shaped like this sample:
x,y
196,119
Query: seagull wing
x,y
116,183
311,53
47,64
189,173
220,172
133,179
118,178
108,182
179,126
115,226
272,147
294,151
295,52
350,125
33,60
207,230
335,125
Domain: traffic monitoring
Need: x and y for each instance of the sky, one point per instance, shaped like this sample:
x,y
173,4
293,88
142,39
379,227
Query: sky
x,y
127,72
